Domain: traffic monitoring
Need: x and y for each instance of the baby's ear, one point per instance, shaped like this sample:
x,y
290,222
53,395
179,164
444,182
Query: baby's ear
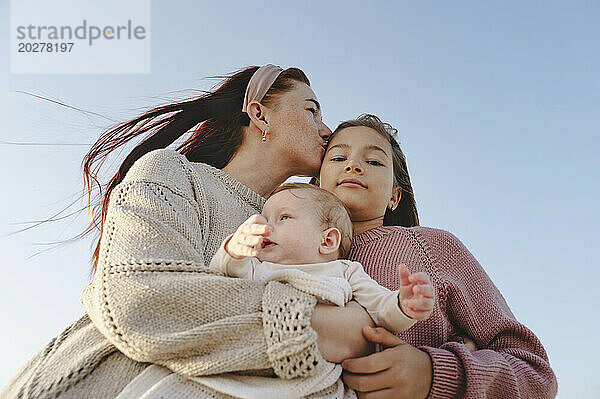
x,y
331,241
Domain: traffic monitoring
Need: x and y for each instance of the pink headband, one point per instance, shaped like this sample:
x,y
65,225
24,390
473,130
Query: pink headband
x,y
260,83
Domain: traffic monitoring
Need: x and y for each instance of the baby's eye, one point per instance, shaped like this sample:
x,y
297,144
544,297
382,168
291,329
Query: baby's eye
x,y
376,163
283,217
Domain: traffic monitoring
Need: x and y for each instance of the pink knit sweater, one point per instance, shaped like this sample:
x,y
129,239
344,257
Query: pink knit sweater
x,y
511,362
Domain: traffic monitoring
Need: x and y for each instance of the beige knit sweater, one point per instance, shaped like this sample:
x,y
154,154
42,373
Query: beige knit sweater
x,y
154,299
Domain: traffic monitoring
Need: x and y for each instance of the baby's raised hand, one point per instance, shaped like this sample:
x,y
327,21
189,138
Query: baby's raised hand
x,y
247,236
416,295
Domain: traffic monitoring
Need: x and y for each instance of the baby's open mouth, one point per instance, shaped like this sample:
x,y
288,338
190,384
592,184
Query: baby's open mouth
x,y
267,244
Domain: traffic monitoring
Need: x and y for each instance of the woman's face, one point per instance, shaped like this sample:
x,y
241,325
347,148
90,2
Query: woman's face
x,y
296,125
358,169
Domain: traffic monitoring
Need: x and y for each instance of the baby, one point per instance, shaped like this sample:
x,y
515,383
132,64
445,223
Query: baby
x,y
301,237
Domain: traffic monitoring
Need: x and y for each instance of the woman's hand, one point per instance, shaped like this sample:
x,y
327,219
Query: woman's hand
x,y
400,371
339,331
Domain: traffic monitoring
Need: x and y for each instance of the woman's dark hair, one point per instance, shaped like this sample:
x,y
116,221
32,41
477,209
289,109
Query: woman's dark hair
x,y
214,118
405,213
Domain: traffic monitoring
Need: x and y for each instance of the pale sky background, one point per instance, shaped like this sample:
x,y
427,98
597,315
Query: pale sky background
x,y
497,108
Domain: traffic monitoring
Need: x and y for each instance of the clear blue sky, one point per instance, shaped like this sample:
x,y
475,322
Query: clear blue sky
x,y
497,108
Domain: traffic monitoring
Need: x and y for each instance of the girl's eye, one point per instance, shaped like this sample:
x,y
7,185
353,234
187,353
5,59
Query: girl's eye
x,y
338,159
283,217
376,163
312,110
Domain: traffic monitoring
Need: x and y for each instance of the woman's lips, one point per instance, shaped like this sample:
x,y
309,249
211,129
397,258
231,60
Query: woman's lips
x,y
324,146
351,183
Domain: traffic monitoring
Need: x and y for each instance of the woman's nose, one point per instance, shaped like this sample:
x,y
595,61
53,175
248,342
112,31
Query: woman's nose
x,y
324,131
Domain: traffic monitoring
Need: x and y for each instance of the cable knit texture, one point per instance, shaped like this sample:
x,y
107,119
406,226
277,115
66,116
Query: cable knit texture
x,y
511,362
153,298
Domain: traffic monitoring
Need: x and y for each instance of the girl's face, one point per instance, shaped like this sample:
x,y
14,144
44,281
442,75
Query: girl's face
x,y
358,169
295,123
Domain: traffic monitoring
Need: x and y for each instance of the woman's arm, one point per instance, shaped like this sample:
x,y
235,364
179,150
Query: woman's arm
x,y
153,297
511,361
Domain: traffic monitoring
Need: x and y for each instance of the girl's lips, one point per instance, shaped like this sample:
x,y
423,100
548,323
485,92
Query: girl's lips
x,y
351,183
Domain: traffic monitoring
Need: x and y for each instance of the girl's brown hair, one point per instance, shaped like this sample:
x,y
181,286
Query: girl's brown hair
x,y
215,119
405,213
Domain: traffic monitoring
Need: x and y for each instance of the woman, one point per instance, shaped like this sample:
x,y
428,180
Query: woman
x,y
152,298
364,166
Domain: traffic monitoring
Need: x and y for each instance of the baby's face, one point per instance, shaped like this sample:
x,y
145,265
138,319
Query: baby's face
x,y
295,229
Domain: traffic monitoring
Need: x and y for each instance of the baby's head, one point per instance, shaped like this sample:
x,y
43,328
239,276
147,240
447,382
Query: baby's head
x,y
308,225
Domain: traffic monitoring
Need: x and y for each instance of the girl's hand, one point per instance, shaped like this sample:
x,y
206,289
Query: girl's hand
x,y
416,295
250,234
400,371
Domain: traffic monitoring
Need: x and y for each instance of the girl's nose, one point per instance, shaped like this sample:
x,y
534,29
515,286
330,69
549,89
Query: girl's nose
x,y
353,166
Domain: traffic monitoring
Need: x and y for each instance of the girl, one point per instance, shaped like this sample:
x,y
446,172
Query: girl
x,y
366,169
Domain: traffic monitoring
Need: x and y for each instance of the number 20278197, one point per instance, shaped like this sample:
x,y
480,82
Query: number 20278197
x,y
42,47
